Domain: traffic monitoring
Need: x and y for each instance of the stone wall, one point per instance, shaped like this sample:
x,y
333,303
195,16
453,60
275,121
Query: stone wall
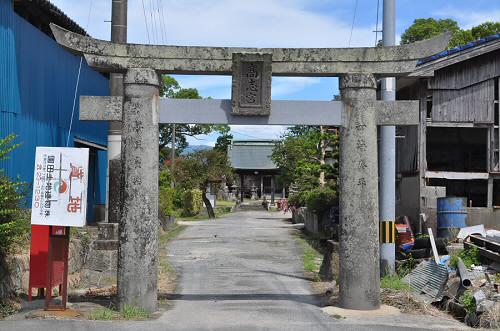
x,y
14,269
298,215
318,225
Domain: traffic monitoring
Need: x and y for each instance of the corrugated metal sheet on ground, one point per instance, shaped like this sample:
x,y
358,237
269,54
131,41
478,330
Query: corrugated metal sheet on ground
x,y
427,281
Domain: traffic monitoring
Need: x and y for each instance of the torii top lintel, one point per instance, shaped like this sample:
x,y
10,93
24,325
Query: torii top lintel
x,y
382,61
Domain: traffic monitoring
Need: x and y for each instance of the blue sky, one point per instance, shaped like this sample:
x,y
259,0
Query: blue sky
x,y
267,23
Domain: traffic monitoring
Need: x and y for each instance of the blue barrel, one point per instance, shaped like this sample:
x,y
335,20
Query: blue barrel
x,y
451,216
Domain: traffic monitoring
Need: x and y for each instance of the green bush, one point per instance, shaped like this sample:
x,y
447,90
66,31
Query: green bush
x,y
468,301
298,199
167,196
321,199
165,177
192,202
14,222
470,256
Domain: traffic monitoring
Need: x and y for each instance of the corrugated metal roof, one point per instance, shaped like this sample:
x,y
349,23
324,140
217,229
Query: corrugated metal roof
x,y
252,154
37,82
31,9
460,48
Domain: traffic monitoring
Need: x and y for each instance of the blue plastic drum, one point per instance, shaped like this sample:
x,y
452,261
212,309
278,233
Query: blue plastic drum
x,y
451,216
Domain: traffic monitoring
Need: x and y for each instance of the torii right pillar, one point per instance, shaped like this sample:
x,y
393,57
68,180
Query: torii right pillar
x,y
358,195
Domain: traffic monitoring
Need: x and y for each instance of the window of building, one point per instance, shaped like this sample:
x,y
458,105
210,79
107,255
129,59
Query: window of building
x,y
457,149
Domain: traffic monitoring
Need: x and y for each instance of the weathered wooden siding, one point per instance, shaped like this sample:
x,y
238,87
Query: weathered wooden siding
x,y
467,73
407,149
473,104
407,145
465,92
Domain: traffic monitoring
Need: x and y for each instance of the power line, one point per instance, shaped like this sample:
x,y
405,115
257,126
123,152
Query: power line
x,y
376,24
153,22
146,21
353,20
77,81
244,134
156,13
164,21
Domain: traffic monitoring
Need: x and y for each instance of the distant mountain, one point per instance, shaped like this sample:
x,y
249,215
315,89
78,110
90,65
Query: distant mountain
x,y
195,148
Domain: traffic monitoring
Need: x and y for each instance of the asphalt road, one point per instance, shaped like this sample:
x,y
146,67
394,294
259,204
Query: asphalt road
x,y
240,272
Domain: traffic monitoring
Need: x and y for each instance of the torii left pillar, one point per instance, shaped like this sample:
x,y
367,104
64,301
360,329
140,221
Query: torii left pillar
x,y
138,250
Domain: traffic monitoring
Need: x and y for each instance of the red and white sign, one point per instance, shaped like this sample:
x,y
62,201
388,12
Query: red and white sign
x,y
60,186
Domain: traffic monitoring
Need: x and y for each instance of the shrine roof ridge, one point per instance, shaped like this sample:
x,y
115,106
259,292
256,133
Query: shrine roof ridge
x,y
384,61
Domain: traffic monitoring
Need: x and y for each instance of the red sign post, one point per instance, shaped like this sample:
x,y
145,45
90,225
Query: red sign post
x,y
49,262
59,201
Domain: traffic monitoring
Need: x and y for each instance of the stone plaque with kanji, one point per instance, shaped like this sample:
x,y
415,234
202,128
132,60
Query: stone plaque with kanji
x,y
251,92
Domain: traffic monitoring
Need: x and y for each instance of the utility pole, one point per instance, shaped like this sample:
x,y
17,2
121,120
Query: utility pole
x,y
172,158
119,35
387,158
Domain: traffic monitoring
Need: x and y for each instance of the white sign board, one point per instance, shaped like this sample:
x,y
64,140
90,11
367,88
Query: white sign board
x,y
60,186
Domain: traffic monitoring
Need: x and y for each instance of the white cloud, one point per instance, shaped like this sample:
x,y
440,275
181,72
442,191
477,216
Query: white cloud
x,y
219,87
283,86
468,19
264,23
256,23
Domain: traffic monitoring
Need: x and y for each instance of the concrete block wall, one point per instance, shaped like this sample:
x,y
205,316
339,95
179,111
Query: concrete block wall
x,y
314,224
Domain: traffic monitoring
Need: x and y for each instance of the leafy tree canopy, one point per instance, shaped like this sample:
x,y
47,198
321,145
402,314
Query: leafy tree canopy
x,y
425,28
298,155
197,170
170,88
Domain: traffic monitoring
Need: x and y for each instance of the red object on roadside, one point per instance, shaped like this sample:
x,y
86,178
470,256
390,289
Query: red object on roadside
x,y
404,235
41,240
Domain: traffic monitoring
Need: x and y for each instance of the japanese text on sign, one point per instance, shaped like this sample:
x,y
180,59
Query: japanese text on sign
x,y
60,186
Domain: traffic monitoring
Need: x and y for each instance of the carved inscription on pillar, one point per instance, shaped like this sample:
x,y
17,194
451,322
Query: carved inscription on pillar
x,y
251,91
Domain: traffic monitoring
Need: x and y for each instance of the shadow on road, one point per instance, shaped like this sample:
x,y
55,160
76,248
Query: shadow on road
x,y
302,298
285,275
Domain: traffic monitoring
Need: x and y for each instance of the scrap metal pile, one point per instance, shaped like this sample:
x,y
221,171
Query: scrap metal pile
x,y
463,277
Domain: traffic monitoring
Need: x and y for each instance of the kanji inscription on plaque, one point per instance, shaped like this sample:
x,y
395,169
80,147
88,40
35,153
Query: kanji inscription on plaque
x,y
251,90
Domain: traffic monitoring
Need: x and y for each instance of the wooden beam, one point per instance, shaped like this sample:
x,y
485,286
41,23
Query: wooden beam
x,y
457,175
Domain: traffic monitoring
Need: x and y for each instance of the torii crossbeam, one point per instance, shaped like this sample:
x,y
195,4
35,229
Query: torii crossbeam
x,y
358,116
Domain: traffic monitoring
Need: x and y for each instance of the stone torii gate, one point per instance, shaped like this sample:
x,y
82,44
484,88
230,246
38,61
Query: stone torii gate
x,y
358,115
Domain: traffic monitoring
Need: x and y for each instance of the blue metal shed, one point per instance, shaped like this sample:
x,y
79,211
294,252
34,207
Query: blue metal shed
x,y
37,83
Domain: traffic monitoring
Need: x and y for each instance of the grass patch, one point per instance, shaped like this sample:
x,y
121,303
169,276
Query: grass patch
x,y
8,307
393,282
312,256
222,207
224,203
104,314
175,230
129,312
166,267
469,256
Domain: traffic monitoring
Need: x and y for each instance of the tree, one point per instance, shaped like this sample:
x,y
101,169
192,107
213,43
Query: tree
x,y
485,29
425,28
14,222
301,154
170,88
198,170
224,140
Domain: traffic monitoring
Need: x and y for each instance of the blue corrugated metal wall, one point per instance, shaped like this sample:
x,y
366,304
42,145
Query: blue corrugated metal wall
x,y
37,82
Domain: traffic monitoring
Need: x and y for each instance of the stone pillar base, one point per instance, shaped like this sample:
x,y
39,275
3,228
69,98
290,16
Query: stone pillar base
x,y
329,269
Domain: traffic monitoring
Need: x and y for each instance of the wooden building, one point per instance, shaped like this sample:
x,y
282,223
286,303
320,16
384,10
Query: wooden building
x,y
252,161
455,150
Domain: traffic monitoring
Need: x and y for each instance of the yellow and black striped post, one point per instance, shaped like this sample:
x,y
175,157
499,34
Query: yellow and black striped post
x,y
387,232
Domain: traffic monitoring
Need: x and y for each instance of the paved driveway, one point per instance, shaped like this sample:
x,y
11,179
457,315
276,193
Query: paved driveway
x,y
240,272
